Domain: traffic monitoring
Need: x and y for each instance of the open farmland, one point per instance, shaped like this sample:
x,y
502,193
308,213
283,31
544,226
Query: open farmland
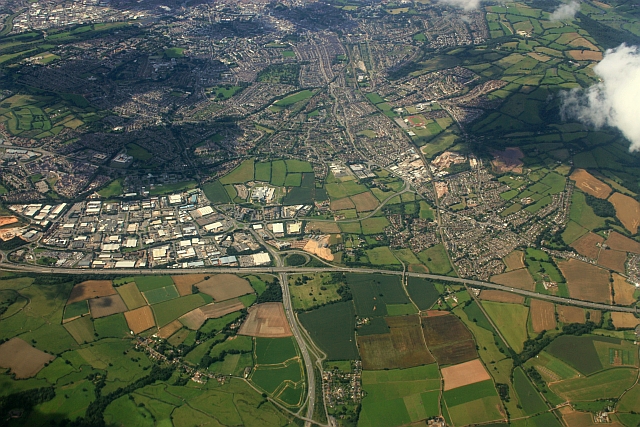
x,y
364,202
623,290
588,245
170,329
586,281
511,320
23,360
184,282
520,279
608,384
627,211
168,311
140,319
224,286
399,397
590,184
448,339
106,306
155,296
196,318
613,260
332,328
624,320
580,352
514,261
372,292
91,289
528,396
81,330
466,373
473,403
570,314
148,283
618,242
501,296
266,320
131,295
423,292
543,315
402,347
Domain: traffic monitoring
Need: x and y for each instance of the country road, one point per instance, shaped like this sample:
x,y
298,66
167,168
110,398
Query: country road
x,y
4,266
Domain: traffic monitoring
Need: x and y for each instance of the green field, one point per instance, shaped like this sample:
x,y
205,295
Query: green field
x,y
148,283
528,396
296,97
382,255
241,174
168,311
400,396
139,153
114,188
332,328
215,192
76,309
422,292
475,403
114,326
371,293
81,329
582,353
436,259
318,289
158,295
607,384
511,320
270,351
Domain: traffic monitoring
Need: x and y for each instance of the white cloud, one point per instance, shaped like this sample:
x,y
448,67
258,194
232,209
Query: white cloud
x,y
566,11
463,4
614,100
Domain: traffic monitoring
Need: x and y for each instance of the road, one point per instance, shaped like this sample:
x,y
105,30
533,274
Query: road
x,y
5,266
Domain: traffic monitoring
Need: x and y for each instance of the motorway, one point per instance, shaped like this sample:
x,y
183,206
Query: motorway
x,y
5,266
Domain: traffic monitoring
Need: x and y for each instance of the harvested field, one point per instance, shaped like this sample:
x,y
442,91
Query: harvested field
x,y
448,339
543,315
186,281
590,184
595,316
341,204
131,296
222,287
570,314
266,320
466,373
365,202
402,347
196,318
501,296
576,418
618,242
623,290
106,306
613,260
166,331
588,245
322,227
91,289
140,319
585,55
627,211
582,42
520,279
193,319
624,320
586,281
23,360
432,313
514,261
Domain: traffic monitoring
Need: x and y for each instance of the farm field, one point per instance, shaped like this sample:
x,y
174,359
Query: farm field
x,y
500,296
618,242
398,397
131,296
402,347
590,184
168,311
222,287
371,293
140,319
543,315
627,211
106,306
474,403
332,328
609,384
511,320
266,320
586,281
520,279
528,396
91,289
570,314
319,290
463,374
23,360
448,339
423,292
